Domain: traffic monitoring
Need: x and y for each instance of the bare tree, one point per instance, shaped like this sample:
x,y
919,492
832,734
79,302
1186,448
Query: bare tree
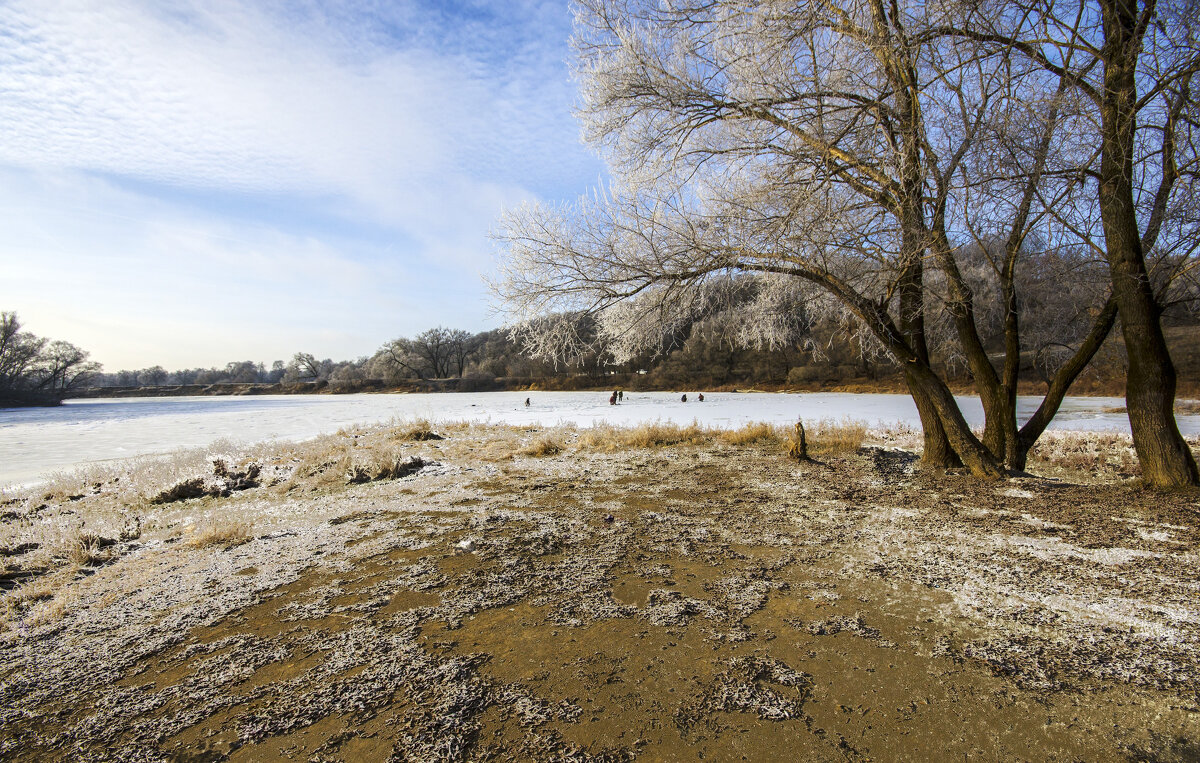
x,y
463,347
38,370
790,142
1131,64
19,352
153,376
400,357
308,367
63,367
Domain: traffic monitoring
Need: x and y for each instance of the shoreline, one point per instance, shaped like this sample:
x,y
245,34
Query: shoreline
x,y
1186,390
83,432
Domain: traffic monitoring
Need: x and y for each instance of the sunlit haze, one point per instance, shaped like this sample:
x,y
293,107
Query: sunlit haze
x,y
188,184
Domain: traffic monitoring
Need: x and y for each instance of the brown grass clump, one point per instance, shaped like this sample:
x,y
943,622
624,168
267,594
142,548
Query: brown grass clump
x,y
752,434
27,595
1091,454
227,533
389,467
653,435
837,437
39,602
90,550
420,430
543,446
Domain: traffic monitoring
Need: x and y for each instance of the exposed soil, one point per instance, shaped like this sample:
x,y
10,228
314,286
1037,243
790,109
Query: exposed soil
x,y
698,602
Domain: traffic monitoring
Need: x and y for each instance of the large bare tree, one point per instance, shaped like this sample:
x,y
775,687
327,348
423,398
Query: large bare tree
x,y
1132,65
795,142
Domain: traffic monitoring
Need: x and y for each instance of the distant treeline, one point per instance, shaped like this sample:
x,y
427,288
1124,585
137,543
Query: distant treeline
x,y
443,359
39,371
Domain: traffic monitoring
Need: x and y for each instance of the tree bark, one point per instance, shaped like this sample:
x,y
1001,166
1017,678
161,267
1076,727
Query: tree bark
x,y
937,451
1165,457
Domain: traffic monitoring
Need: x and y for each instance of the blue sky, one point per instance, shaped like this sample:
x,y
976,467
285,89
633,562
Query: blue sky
x,y
190,183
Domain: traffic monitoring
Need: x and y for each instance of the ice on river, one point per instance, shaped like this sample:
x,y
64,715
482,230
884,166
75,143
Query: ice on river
x,y
35,442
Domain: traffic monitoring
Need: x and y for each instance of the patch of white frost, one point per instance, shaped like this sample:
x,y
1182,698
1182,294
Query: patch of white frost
x,y
1016,492
1049,549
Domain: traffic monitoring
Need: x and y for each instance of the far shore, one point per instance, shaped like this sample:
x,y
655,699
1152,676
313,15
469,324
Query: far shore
x,y
1188,390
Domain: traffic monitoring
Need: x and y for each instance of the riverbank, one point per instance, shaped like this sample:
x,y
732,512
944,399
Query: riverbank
x,y
604,594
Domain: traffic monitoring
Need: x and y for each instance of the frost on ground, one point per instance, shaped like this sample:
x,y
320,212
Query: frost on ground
x,y
386,594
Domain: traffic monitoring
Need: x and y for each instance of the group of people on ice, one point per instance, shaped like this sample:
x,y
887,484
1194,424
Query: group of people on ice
x,y
619,395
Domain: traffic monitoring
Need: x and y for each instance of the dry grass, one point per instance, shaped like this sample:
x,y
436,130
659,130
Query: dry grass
x,y
753,434
420,430
654,435
90,550
836,437
225,532
547,445
383,467
1090,455
29,594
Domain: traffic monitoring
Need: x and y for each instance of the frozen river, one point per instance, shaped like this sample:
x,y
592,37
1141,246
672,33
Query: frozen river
x,y
35,442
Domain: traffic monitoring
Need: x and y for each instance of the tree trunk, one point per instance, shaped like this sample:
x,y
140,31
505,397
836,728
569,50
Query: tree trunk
x,y
937,451
1150,385
1058,386
1000,422
965,446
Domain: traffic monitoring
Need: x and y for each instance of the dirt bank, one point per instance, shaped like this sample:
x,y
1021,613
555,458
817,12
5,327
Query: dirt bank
x,y
526,594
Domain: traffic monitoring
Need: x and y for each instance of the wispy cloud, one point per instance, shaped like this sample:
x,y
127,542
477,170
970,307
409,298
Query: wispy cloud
x,y
383,136
232,95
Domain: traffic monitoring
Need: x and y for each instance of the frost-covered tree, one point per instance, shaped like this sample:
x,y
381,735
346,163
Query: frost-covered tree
x,y
153,376
826,149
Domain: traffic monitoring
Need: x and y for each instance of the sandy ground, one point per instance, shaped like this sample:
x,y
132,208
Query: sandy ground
x,y
701,601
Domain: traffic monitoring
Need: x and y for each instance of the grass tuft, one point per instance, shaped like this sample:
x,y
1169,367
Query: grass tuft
x,y
90,550
837,437
420,430
543,446
1103,455
753,434
387,468
653,435
227,533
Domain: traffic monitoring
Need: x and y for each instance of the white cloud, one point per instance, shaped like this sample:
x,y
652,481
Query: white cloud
x,y
381,139
234,96
138,281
